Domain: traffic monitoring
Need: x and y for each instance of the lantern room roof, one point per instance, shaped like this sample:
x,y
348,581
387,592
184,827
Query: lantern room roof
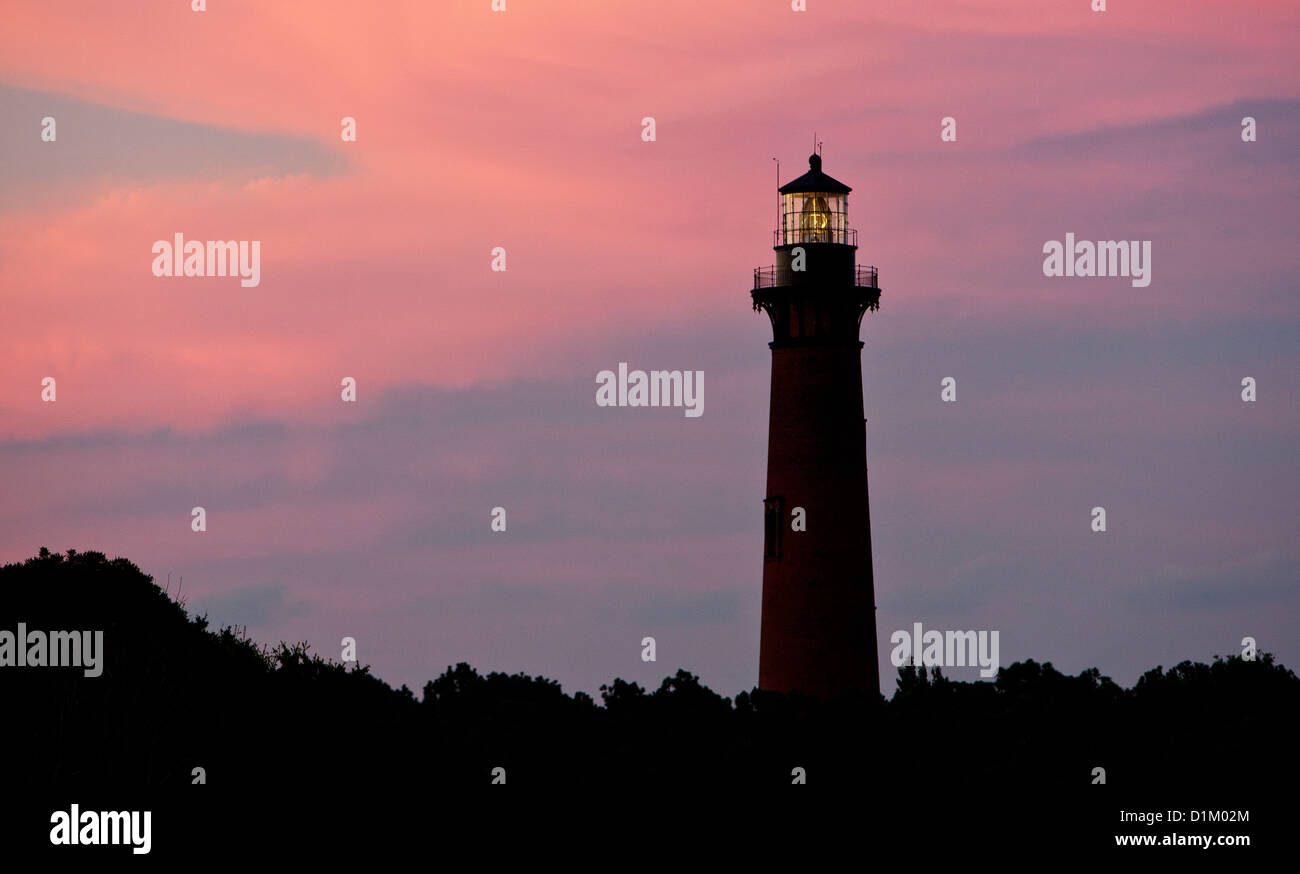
x,y
815,180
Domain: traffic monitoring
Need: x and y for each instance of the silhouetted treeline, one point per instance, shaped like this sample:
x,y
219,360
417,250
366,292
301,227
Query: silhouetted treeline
x,y
175,695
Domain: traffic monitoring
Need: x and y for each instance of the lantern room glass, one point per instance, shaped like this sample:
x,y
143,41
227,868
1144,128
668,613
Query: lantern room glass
x,y
814,217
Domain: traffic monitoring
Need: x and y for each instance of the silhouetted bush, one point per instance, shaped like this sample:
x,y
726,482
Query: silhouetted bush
x,y
175,695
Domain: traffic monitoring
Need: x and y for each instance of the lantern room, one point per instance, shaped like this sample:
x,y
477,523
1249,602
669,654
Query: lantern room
x,y
815,209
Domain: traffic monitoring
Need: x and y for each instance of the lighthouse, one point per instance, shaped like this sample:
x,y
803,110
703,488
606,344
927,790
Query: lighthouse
x,y
819,613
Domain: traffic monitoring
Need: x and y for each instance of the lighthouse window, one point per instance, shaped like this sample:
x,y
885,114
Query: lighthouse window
x,y
814,217
772,528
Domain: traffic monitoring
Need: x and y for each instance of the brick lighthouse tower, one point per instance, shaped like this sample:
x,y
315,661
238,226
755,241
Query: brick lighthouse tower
x,y
819,613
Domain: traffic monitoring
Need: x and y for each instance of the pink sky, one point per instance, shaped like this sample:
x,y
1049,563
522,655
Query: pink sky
x,y
522,129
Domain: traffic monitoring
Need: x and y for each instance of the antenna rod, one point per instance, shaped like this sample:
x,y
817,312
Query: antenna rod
x,y
778,193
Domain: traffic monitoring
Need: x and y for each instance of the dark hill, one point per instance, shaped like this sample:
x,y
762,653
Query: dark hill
x,y
279,722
